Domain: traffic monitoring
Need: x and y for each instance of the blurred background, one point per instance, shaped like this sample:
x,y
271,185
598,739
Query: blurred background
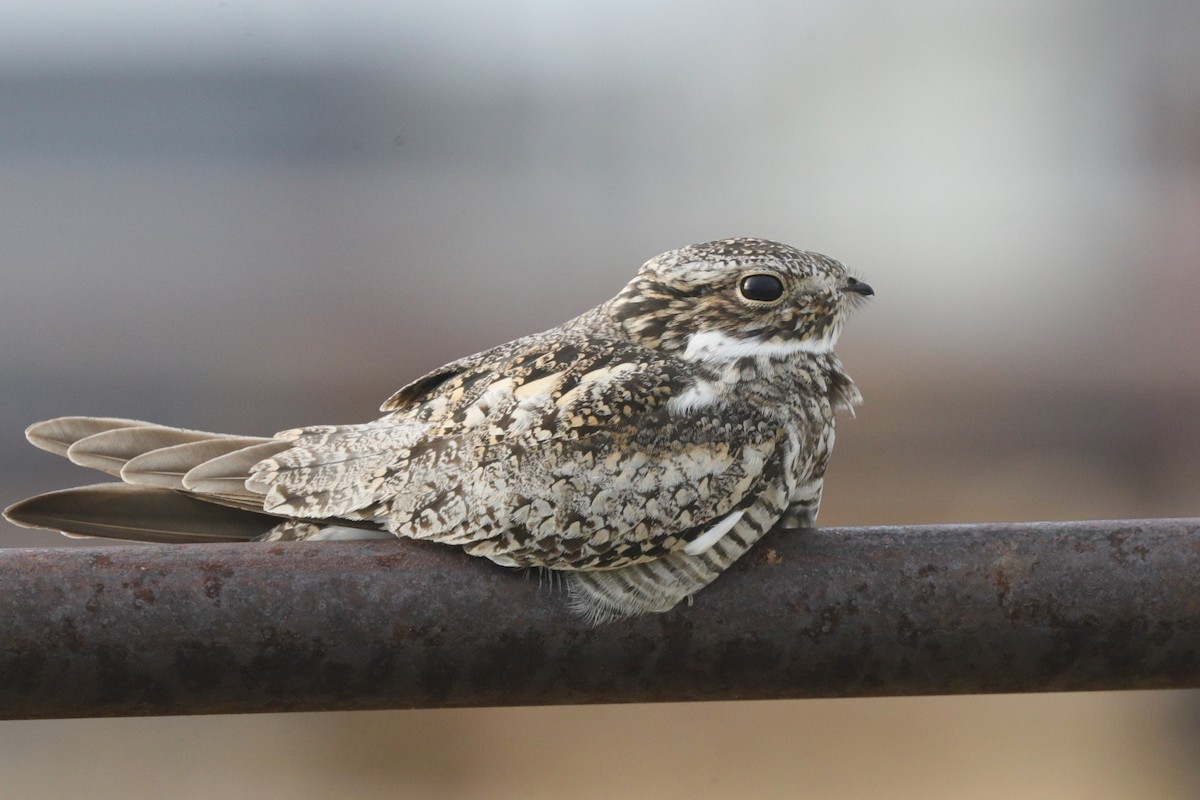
x,y
246,215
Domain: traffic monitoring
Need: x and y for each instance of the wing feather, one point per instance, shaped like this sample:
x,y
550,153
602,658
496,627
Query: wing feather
x,y
138,513
109,450
57,435
567,456
166,466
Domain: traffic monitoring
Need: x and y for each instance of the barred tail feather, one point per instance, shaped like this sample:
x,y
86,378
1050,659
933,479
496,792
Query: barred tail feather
x,y
656,586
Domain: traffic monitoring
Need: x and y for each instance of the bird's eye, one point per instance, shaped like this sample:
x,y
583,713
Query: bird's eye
x,y
761,288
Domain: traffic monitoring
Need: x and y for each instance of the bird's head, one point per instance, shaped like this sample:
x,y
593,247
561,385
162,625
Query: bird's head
x,y
734,298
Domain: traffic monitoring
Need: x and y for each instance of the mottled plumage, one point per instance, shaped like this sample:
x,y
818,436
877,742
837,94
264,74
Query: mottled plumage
x,y
643,446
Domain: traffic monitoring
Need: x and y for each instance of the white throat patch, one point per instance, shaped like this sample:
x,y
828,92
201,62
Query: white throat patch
x,y
718,346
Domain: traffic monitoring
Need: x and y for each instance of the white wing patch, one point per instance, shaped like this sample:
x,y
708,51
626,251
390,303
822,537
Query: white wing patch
x,y
710,537
342,533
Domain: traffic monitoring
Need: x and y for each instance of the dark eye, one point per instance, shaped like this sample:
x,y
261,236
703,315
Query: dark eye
x,y
761,288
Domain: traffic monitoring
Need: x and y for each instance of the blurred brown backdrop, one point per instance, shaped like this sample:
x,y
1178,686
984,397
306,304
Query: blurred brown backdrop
x,y
245,215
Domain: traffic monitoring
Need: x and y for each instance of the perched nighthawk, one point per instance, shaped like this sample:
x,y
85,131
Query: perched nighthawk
x,y
642,447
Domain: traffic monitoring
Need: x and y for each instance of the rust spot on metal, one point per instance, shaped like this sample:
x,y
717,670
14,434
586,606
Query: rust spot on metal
x,y
390,560
215,575
1122,549
143,595
1003,585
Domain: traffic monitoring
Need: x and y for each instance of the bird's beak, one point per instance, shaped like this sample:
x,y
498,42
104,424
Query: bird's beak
x,y
858,287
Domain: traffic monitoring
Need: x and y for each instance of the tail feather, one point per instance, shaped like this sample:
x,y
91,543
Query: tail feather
x,y
179,486
166,466
156,503
226,474
57,435
138,513
109,451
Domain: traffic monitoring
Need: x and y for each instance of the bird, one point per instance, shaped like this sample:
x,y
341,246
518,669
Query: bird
x,y
638,449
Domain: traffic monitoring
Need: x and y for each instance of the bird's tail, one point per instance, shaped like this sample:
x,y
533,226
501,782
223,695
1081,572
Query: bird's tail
x,y
177,485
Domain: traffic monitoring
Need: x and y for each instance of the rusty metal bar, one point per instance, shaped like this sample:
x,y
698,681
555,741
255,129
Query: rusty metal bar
x,y
195,629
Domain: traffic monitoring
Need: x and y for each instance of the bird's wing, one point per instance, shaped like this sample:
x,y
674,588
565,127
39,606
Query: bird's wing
x,y
614,470
661,584
567,453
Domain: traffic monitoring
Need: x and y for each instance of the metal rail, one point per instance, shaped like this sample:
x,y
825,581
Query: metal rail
x,y
197,629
